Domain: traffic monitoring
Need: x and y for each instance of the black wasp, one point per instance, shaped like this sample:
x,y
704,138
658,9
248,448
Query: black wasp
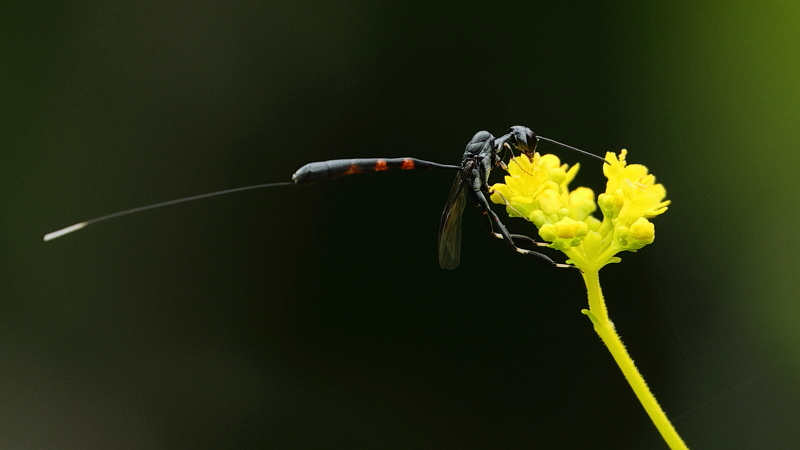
x,y
483,153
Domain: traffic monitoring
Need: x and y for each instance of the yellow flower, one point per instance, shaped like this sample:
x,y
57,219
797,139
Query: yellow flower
x,y
538,190
634,191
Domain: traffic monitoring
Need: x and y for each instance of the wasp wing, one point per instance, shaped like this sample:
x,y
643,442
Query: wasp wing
x,y
450,225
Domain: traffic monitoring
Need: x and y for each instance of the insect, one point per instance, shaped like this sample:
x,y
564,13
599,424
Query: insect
x,y
483,153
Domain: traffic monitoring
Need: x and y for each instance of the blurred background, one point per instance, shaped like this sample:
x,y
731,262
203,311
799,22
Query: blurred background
x,y
317,316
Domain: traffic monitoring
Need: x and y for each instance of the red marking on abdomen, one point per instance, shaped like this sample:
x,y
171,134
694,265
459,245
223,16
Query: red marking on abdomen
x,y
381,165
408,164
352,169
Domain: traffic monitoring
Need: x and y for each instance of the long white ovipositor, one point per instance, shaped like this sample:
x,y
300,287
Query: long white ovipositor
x,y
63,231
78,226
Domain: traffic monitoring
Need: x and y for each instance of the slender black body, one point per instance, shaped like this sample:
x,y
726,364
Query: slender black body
x,y
482,154
339,167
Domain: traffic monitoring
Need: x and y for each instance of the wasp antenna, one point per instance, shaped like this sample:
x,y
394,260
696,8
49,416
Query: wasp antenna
x,y
84,224
574,149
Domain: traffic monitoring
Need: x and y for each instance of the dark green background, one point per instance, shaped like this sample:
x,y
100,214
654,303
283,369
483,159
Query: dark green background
x,y
317,316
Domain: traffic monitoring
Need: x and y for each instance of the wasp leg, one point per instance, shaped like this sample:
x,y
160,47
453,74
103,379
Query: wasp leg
x,y
514,236
509,238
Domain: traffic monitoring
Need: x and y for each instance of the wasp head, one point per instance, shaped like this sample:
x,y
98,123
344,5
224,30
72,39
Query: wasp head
x,y
520,139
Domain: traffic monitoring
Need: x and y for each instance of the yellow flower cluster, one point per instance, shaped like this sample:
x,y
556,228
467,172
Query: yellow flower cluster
x,y
538,190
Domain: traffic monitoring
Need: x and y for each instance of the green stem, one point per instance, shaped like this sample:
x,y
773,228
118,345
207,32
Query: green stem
x,y
598,314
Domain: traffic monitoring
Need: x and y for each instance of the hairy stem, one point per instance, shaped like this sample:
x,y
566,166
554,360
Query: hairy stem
x,y
598,313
